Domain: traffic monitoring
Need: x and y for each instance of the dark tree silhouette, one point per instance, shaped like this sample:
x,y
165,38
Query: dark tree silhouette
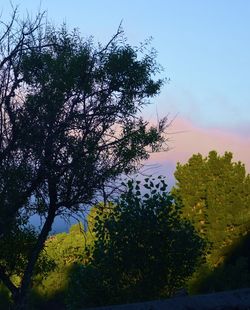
x,y
70,122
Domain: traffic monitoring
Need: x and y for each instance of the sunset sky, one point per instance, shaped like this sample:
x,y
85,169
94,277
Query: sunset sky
x,y
204,48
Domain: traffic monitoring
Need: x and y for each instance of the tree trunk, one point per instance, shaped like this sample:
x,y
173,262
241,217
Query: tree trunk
x,y
21,298
20,302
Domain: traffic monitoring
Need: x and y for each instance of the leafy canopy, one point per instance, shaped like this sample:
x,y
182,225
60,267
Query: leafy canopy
x,y
143,249
70,123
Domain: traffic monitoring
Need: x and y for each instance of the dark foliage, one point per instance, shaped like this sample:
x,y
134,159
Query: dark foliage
x,y
69,123
143,250
233,273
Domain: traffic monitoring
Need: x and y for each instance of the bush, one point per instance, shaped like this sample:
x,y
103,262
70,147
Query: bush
x,y
143,250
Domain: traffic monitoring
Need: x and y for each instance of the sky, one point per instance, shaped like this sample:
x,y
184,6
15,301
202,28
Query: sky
x,y
204,48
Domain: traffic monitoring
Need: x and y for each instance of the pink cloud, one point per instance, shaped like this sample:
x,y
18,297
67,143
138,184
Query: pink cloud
x,y
186,139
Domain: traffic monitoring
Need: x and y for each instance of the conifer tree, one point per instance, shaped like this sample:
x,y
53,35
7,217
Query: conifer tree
x,y
215,193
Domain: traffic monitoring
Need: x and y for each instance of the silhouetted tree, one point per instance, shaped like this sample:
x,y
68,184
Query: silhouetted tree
x,y
70,122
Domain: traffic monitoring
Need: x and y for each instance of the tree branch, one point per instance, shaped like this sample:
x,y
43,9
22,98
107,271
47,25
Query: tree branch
x,y
7,282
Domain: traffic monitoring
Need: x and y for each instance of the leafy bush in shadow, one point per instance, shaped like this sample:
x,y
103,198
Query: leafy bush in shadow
x,y
143,250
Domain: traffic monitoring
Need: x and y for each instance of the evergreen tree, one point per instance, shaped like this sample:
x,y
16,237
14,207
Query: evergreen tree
x,y
215,194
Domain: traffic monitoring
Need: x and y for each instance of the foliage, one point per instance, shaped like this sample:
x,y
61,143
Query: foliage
x,y
65,249
233,273
4,297
15,250
215,193
70,123
143,249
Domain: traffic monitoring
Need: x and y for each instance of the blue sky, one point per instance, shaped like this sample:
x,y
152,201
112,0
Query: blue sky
x,y
204,47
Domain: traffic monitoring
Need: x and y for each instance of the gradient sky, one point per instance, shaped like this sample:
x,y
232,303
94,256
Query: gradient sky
x,y
204,47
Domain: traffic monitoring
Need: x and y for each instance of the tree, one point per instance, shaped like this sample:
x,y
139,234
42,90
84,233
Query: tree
x,y
65,250
70,123
143,250
215,193
233,273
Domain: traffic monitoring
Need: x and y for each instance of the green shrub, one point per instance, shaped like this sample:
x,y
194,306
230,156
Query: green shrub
x,y
143,250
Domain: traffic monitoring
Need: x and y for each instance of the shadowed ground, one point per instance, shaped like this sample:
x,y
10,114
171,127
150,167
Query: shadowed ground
x,y
231,300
